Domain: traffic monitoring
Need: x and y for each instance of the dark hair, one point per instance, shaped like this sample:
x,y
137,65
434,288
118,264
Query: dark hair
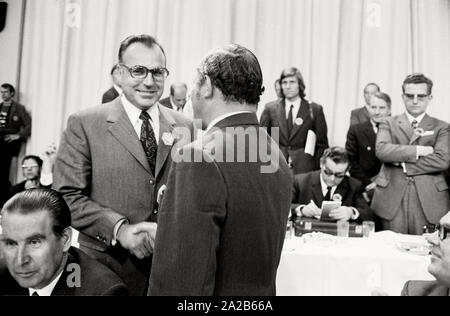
x,y
383,96
9,87
372,84
294,72
35,158
172,87
144,39
418,78
35,200
116,66
337,154
235,71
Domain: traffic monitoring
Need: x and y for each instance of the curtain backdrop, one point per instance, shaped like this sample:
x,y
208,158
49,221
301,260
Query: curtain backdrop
x,y
339,46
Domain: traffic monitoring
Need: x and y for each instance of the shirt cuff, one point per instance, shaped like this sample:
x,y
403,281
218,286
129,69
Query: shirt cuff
x,y
355,213
116,230
46,179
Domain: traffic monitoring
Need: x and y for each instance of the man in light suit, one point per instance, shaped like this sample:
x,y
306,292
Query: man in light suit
x,y
222,232
411,190
295,117
113,161
115,90
362,114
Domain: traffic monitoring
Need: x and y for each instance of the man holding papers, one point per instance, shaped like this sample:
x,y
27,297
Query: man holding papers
x,y
313,189
302,134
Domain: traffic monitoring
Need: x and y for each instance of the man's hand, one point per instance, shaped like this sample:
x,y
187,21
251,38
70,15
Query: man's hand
x,y
11,138
342,212
138,239
370,186
424,151
311,210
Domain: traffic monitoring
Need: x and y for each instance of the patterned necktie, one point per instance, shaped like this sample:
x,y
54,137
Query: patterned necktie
x,y
414,124
328,195
290,124
148,140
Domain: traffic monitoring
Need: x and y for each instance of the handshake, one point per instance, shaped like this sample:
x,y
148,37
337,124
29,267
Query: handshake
x,y
138,239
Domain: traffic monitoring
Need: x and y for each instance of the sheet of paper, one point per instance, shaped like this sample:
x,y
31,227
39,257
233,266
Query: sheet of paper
x,y
310,146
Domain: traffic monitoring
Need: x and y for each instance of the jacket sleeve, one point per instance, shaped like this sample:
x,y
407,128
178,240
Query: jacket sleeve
x,y
353,152
320,125
265,120
25,131
72,178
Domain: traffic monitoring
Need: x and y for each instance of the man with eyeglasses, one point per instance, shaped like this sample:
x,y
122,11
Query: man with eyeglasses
x,y
411,190
113,163
330,183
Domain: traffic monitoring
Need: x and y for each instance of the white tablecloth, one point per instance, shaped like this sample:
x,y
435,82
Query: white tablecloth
x,y
350,266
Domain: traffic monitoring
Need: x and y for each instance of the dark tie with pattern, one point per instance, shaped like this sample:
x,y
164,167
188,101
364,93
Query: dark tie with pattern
x,y
290,124
328,195
414,124
148,140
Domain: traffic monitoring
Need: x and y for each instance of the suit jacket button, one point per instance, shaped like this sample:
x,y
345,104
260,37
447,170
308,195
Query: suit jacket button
x,y
152,182
155,211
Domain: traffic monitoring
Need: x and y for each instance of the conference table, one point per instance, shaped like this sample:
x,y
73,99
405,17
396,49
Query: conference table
x,y
322,265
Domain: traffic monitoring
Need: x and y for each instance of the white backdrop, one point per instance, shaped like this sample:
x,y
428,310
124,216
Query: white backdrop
x,y
339,45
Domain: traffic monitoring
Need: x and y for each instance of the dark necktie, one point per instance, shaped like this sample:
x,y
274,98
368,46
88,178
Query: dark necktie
x,y
148,140
414,124
328,195
290,124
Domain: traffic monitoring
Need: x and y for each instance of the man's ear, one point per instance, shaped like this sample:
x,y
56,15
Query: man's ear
x,y
67,238
207,89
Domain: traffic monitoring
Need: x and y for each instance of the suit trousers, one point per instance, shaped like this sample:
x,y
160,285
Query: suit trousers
x,y
410,218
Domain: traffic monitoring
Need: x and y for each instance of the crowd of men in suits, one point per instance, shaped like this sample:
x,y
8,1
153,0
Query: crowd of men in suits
x,y
162,221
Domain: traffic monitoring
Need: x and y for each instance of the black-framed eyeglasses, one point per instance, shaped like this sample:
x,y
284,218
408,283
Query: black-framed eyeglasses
x,y
419,96
443,231
141,72
330,173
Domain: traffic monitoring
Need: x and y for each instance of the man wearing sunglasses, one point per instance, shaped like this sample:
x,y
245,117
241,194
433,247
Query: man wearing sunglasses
x,y
411,190
330,183
113,163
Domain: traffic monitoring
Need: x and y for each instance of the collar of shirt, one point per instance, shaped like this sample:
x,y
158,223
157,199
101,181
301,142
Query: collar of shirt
x,y
134,113
412,118
374,126
174,106
118,89
325,187
222,117
46,291
296,105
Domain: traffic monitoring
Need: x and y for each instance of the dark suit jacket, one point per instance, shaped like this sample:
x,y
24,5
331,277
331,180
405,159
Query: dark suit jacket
x,y
307,187
293,145
359,116
424,288
223,230
110,95
103,173
396,143
20,187
361,139
166,102
18,121
95,278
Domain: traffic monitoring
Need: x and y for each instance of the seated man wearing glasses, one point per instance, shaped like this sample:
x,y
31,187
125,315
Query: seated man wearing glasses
x,y
439,266
330,183
411,190
114,160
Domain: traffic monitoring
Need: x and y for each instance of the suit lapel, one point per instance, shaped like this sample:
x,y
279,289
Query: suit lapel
x,y
405,126
165,143
304,114
282,121
124,132
62,288
426,124
342,189
317,188
369,132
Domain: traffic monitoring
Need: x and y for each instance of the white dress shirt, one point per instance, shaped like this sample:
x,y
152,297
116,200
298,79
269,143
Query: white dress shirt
x,y
134,113
46,291
295,109
412,118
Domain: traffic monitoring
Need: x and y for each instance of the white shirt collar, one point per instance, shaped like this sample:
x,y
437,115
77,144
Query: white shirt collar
x,y
174,106
134,113
118,89
325,186
287,106
46,291
412,118
222,117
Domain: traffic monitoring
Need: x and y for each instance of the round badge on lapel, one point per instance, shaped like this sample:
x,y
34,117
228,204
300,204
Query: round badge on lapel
x,y
298,121
15,118
369,148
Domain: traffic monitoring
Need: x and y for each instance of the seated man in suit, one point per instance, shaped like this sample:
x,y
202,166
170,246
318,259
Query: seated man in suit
x,y
439,267
361,140
36,238
115,90
362,114
330,183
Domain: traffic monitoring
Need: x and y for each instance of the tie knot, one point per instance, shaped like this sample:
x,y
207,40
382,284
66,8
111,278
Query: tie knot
x,y
414,124
144,116
292,106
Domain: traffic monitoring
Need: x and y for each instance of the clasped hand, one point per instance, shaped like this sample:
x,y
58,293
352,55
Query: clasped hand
x,y
138,239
